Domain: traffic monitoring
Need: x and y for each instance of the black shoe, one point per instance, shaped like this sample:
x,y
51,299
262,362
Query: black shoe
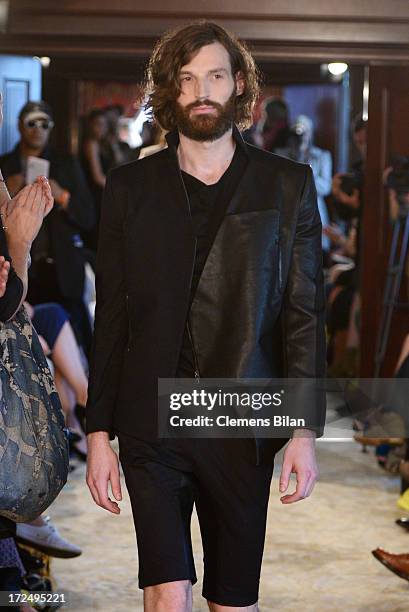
x,y
403,522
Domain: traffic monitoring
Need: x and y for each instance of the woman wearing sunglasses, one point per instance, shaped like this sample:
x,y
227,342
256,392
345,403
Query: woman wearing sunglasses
x,y
57,273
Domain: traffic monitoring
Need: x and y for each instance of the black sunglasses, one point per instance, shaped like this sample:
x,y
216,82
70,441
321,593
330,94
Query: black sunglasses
x,y
39,123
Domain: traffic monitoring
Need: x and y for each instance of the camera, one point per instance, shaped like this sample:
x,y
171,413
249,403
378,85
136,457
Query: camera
x,y
398,179
349,182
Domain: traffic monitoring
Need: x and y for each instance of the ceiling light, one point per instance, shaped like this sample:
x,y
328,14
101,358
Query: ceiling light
x,y
45,61
337,68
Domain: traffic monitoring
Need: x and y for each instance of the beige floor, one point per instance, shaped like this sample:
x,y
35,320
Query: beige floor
x,y
317,556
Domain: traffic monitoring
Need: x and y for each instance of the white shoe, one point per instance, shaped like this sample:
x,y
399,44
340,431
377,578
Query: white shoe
x,y
47,539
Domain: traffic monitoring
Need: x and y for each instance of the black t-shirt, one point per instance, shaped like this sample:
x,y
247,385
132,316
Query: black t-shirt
x,y
208,204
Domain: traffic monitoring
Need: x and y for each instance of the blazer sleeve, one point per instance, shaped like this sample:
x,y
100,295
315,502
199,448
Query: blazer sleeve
x,y
303,315
111,323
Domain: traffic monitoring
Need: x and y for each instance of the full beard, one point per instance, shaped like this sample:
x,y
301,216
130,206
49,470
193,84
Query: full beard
x,y
206,127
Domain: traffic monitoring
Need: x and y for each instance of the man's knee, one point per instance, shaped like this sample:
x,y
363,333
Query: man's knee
x,y
169,597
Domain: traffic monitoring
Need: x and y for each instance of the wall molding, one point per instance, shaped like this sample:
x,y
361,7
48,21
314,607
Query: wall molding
x,y
357,30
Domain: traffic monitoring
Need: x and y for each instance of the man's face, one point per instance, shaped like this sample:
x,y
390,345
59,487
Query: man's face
x,y
35,131
205,108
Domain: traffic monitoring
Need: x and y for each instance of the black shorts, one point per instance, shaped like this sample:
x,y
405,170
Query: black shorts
x,y
231,495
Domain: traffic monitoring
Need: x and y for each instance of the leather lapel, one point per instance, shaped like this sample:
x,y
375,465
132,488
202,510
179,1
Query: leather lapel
x,y
248,188
224,203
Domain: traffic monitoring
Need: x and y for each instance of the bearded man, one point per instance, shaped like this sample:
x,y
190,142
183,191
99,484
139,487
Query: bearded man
x,y
209,265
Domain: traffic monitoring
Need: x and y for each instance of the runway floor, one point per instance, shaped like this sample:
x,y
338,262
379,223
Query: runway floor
x,y
317,556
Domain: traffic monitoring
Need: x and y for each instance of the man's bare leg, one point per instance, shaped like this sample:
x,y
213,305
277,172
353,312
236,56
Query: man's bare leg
x,y
169,597
217,608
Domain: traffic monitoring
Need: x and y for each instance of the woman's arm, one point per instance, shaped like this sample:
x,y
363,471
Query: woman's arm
x,y
14,290
21,220
19,254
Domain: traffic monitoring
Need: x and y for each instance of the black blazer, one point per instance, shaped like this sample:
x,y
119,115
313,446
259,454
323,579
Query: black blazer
x,y
259,306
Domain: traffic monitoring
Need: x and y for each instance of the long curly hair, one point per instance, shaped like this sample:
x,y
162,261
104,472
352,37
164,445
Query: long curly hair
x,y
175,49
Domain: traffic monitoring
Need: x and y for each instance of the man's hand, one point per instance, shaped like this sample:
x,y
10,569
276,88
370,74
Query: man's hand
x,y
299,458
4,274
60,195
103,467
334,233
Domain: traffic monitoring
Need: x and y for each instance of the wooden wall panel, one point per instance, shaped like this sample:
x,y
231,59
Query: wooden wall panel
x,y
388,134
348,9
128,27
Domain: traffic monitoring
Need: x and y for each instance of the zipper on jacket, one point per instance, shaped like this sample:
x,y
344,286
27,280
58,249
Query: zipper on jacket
x,y
195,362
196,365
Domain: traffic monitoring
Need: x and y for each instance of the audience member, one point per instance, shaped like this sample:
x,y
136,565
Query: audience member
x,y
300,147
97,160
57,270
274,125
343,312
121,152
52,324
